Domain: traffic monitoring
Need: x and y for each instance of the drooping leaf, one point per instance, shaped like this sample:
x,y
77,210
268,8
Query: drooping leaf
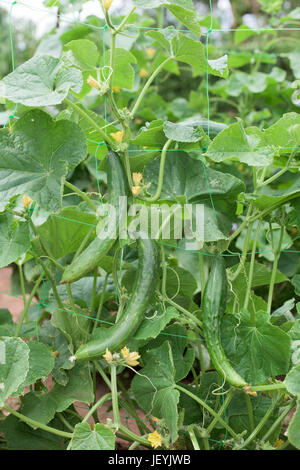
x,y
41,81
248,146
63,233
36,157
14,365
152,326
183,10
293,431
256,348
14,239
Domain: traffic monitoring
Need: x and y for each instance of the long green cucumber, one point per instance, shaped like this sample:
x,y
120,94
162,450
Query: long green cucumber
x,y
146,280
213,307
89,259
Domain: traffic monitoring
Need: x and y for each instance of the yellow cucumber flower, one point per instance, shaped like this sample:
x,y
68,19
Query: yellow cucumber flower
x,y
26,201
116,89
150,51
117,136
136,190
143,73
155,439
108,356
107,4
137,178
93,82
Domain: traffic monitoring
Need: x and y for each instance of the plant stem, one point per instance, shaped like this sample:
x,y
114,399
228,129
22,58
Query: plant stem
x,y
279,420
221,411
251,269
147,85
83,195
27,305
22,282
161,173
274,270
114,393
202,272
77,108
208,408
244,253
36,424
121,26
268,388
260,424
97,405
250,412
97,318
193,438
65,422
83,243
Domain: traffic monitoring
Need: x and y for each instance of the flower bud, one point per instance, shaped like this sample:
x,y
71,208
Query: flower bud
x,y
137,178
136,190
92,82
117,136
107,4
143,73
26,201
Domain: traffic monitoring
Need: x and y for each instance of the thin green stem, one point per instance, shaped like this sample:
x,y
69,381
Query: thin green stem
x,y
208,408
20,268
93,296
193,438
65,422
202,272
27,305
161,173
251,268
83,243
279,173
148,84
274,271
80,111
279,419
114,393
121,26
268,388
83,195
97,405
244,253
36,424
260,425
97,318
221,411
250,412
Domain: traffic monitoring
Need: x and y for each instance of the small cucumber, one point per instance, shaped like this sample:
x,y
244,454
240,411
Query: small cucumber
x,y
213,307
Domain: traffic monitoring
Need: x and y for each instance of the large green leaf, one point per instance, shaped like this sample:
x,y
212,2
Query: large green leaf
x,y
256,348
81,53
37,156
123,70
98,438
79,388
41,363
63,233
14,366
41,81
183,10
292,381
190,178
155,390
14,239
285,133
248,146
152,326
177,337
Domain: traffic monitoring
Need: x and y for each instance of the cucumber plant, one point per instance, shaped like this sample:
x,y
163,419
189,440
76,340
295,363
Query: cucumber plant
x,y
106,156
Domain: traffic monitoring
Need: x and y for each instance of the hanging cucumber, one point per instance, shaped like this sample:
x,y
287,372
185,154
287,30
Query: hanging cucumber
x,y
146,281
89,259
213,307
